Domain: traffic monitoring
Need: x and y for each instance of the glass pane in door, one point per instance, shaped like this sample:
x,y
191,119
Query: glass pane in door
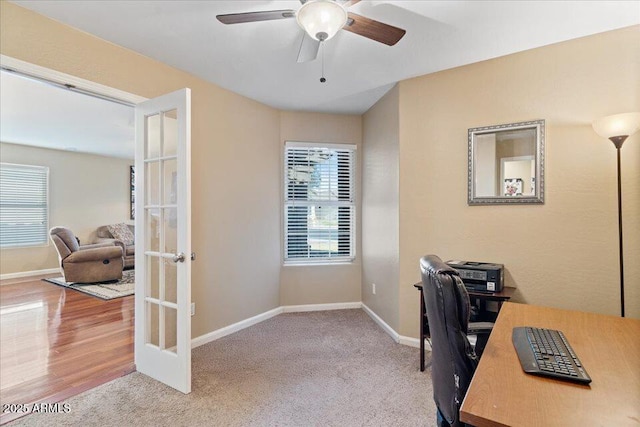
x,y
170,281
152,233
170,230
152,145
170,177
153,277
153,321
170,127
152,175
170,330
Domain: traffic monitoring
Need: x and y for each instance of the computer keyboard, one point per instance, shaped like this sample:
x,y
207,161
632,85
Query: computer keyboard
x,y
547,352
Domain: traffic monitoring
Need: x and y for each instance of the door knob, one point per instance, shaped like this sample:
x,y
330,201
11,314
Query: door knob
x,y
179,257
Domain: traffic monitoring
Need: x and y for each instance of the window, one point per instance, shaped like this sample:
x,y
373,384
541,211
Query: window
x,y
23,205
319,202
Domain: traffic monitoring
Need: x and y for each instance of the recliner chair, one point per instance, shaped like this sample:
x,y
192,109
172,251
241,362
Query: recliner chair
x,y
101,262
453,359
103,235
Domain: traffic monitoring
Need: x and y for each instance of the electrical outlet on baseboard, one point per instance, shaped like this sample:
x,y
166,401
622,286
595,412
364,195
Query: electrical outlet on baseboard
x,y
193,308
373,288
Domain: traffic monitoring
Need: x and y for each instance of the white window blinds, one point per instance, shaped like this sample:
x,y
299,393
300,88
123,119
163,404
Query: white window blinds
x,y
23,205
319,202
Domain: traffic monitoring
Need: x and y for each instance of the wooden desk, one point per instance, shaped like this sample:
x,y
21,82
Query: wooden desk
x,y
501,394
482,297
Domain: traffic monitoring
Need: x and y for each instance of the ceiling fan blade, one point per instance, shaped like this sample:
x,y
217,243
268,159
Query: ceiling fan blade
x,y
269,15
308,48
374,30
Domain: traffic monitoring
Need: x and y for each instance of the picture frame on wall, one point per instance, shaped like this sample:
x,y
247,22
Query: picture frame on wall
x,y
513,187
132,192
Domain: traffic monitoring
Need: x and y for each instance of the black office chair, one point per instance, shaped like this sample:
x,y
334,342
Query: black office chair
x,y
453,359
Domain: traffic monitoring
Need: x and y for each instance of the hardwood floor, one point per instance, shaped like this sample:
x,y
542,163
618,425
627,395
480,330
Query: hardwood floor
x,y
57,342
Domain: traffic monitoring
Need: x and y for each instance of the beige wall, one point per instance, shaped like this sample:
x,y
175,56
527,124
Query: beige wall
x,y
235,167
85,192
380,198
319,284
563,253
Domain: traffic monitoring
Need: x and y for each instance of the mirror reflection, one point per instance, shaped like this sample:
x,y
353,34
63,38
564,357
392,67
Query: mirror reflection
x,y
505,163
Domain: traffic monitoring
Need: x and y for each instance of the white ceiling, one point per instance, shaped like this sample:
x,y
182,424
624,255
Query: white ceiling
x,y
41,115
258,59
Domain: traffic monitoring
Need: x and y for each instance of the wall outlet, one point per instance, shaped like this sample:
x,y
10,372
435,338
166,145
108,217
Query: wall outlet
x,y
373,288
193,308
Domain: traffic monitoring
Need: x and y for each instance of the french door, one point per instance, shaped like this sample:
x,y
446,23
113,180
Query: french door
x,y
163,239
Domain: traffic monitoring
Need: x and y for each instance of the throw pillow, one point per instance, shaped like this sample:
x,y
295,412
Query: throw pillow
x,y
121,232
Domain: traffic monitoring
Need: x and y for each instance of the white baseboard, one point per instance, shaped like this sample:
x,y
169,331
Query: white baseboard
x,y
29,273
235,327
228,330
400,339
385,327
411,342
320,307
414,342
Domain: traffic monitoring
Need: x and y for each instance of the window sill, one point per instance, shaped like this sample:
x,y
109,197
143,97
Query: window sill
x,y
318,264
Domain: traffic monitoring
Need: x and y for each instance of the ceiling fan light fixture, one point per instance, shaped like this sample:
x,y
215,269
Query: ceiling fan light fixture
x,y
321,19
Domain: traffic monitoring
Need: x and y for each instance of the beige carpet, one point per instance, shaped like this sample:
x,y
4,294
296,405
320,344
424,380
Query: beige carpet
x,y
333,368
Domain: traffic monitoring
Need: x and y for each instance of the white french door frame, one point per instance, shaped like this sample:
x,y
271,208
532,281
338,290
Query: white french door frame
x,y
167,363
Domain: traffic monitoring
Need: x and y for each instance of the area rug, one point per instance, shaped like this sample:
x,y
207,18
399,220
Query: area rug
x,y
102,290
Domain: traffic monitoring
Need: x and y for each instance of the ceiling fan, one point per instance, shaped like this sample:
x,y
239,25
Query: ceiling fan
x,y
321,20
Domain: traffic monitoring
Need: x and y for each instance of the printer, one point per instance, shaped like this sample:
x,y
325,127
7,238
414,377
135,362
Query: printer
x,y
479,276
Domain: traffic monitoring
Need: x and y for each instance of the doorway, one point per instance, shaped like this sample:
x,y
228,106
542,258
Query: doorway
x,y
109,94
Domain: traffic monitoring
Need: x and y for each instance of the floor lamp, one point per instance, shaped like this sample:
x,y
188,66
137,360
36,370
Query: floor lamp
x,y
618,128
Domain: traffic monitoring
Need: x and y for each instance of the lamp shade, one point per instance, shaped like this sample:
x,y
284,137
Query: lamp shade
x,y
321,19
625,124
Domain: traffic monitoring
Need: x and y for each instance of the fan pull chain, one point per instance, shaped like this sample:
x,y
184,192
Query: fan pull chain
x,y
322,79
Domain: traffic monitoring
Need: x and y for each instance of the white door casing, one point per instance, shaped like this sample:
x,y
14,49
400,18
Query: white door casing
x,y
163,239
